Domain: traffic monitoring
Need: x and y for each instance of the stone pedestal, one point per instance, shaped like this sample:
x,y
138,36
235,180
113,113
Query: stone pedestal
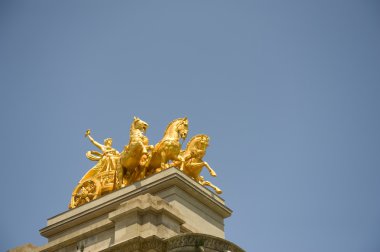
x,y
165,212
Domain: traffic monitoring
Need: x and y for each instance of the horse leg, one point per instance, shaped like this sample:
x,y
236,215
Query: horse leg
x,y
142,173
211,171
182,160
120,175
194,169
208,183
178,162
143,165
175,163
144,150
163,160
134,175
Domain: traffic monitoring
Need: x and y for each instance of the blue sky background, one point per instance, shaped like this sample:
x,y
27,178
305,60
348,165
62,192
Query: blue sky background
x,y
288,91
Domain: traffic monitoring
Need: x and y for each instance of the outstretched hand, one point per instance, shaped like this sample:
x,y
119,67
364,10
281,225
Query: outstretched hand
x,y
88,132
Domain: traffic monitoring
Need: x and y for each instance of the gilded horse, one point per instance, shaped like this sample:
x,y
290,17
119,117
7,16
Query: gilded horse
x,y
169,147
193,155
134,154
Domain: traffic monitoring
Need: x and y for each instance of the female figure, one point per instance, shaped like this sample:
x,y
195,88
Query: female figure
x,y
108,160
100,179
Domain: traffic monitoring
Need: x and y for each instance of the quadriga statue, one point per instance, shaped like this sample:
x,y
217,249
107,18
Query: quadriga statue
x,y
139,160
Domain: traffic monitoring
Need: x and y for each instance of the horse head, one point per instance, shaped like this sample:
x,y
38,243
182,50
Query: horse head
x,y
177,128
196,146
200,141
183,127
139,124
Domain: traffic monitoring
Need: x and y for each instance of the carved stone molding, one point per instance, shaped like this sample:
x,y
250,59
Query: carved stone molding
x,y
139,244
184,242
207,242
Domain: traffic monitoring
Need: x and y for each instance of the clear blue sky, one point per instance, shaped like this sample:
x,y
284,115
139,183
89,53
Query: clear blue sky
x,y
288,91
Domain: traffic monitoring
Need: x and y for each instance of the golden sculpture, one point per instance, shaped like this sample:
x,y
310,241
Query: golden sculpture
x,y
85,192
169,147
102,177
195,151
139,160
135,155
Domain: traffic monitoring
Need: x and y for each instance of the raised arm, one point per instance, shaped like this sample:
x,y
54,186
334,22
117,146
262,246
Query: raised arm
x,y
100,146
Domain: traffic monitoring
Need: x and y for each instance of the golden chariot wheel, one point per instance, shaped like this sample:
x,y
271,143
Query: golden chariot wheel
x,y
85,192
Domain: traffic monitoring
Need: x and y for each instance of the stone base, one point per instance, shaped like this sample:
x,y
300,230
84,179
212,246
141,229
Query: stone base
x,y
165,212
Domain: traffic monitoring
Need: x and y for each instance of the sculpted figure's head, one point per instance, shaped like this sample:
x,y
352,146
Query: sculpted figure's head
x,y
108,142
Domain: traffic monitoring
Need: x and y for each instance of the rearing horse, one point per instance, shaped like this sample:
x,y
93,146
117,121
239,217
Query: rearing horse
x,y
169,147
131,160
193,156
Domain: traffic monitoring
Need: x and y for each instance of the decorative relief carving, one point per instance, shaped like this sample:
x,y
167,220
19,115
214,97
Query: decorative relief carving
x,y
140,244
188,241
197,240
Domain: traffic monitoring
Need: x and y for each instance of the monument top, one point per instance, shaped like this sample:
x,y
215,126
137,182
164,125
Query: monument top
x,y
138,160
143,199
158,203
167,208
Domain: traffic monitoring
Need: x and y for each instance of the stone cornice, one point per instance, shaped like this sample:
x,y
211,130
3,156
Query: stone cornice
x,y
168,178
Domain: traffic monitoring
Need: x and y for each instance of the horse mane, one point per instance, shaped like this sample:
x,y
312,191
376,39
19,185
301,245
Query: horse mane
x,y
172,122
132,125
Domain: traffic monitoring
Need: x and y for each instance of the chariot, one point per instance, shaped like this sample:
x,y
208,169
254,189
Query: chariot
x,y
97,182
